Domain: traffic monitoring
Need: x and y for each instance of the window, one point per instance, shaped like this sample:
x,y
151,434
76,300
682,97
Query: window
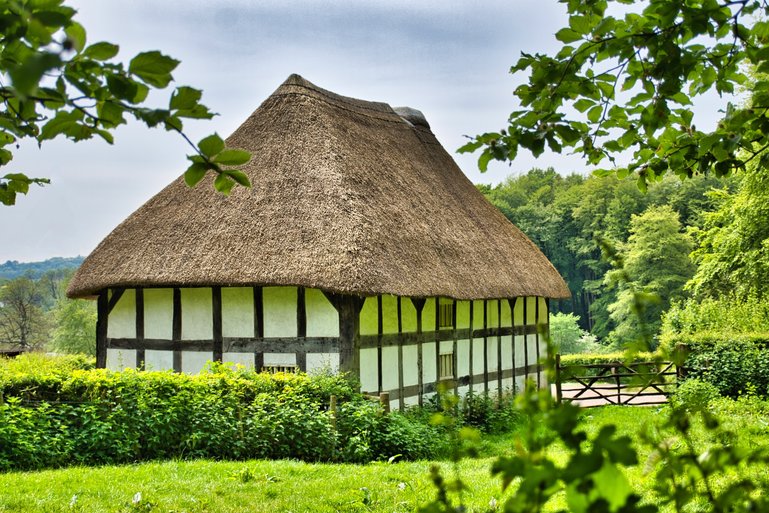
x,y
446,366
274,369
445,313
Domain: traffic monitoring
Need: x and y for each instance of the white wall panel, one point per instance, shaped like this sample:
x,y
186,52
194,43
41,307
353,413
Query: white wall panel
x,y
197,315
158,313
279,311
238,312
122,318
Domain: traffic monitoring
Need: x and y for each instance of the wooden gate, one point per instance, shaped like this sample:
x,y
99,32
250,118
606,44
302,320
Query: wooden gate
x,y
600,384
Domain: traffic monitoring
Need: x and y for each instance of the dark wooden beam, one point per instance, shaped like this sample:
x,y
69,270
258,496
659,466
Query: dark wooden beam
x,y
499,350
380,330
141,356
419,304
102,318
485,346
176,331
258,326
470,356
525,339
301,313
511,303
216,307
536,341
348,308
232,345
401,404
117,293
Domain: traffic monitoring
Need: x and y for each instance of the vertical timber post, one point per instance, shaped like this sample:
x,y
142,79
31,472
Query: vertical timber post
x,y
558,389
176,332
216,306
102,318
419,304
140,352
348,308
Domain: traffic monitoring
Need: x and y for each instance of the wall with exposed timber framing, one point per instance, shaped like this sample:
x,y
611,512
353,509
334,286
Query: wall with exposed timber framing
x,y
183,328
494,345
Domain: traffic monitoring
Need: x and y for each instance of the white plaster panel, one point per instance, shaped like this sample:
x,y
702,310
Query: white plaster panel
x,y
369,378
428,315
531,310
408,316
507,385
520,341
197,315
463,315
389,314
531,341
322,318
369,320
463,357
507,352
447,346
244,359
518,311
463,390
507,319
279,359
478,356
410,370
158,360
119,359
492,352
492,314
279,308
429,364
322,362
238,312
389,368
543,313
478,388
122,318
411,400
194,361
158,314
477,314
520,383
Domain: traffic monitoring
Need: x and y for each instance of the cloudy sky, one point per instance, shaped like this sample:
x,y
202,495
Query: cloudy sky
x,y
450,59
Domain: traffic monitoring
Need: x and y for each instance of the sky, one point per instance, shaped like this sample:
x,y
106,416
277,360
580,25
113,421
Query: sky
x,y
450,59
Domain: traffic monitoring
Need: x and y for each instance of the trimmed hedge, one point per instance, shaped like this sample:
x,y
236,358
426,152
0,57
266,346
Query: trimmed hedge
x,y
51,417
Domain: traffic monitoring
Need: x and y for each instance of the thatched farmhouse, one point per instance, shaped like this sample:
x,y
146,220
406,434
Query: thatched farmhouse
x,y
361,246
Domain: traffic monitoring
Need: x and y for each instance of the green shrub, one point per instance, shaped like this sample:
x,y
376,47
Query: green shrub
x,y
488,414
58,414
733,366
695,395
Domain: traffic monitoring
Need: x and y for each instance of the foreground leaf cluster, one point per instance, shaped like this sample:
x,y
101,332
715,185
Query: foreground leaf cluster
x,y
625,79
58,85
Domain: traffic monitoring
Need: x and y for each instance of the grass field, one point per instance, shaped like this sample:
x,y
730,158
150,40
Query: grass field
x,y
255,486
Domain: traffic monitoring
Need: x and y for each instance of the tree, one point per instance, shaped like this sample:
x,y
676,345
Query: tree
x,y
58,85
733,246
624,80
656,267
75,330
22,320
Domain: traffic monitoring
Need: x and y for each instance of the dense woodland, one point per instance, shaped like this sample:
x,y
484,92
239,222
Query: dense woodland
x,y
621,250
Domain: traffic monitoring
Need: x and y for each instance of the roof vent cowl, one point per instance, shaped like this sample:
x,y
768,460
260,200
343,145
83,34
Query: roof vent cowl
x,y
413,116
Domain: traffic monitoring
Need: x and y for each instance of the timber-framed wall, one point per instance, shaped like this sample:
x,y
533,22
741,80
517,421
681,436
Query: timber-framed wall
x,y
403,346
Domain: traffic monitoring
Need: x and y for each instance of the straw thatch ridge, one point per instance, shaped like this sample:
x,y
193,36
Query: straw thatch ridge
x,y
347,197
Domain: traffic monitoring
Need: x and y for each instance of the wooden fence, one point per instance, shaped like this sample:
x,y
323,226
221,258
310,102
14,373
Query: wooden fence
x,y
600,384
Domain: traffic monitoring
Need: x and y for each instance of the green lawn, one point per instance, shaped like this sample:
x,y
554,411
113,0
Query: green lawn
x,y
277,486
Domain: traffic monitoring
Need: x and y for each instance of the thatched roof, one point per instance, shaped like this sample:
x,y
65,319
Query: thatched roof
x,y
347,196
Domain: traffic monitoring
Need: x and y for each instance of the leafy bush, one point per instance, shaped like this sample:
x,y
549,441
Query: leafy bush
x,y
58,413
734,366
568,337
695,395
487,414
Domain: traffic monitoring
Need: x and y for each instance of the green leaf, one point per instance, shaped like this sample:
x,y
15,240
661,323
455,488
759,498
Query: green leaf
x,y
232,157
224,184
185,98
594,114
239,176
153,68
65,122
101,51
583,104
195,174
76,35
211,145
567,35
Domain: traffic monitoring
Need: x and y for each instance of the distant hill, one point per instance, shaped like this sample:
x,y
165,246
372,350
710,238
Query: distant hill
x,y
13,269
